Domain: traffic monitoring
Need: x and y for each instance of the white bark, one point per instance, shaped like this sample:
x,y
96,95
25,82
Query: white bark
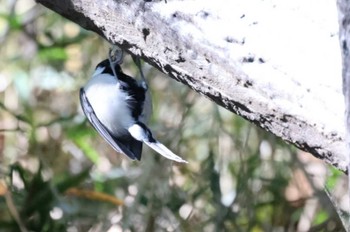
x,y
344,38
275,63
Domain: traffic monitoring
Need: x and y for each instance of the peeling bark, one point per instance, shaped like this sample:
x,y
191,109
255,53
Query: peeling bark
x,y
274,64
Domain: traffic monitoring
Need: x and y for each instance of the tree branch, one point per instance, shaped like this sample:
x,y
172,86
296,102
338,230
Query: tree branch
x,y
344,38
276,66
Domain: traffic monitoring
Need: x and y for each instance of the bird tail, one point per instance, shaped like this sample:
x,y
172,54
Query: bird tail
x,y
164,151
141,133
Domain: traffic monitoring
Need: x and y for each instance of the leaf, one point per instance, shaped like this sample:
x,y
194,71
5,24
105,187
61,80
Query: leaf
x,y
88,150
14,22
80,135
53,53
93,195
44,196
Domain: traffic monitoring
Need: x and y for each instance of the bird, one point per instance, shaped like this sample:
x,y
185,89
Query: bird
x,y
118,107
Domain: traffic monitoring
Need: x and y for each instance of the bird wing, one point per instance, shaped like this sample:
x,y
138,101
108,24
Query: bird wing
x,y
132,147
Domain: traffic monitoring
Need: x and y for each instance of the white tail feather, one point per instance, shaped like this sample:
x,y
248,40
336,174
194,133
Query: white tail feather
x,y
164,151
144,135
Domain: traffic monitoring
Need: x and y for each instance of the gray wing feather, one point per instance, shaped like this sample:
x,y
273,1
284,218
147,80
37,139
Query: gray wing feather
x,y
103,131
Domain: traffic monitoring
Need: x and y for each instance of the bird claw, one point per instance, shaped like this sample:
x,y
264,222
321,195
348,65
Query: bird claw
x,y
115,55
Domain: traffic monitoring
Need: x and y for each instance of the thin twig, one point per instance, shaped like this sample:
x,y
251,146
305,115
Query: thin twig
x,y
341,215
56,120
17,116
326,190
10,129
13,210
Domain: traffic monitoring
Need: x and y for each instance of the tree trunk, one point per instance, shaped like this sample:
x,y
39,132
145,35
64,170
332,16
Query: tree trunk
x,y
277,65
344,38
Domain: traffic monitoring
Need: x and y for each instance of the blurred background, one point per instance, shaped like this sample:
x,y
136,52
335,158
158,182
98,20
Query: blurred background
x,y
58,174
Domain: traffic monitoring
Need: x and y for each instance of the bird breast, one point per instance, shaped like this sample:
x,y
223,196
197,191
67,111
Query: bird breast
x,y
109,103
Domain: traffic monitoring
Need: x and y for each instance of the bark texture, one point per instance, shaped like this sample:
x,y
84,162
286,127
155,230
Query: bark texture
x,y
274,64
344,38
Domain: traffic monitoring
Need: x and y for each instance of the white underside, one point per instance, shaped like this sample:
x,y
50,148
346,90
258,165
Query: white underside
x,y
109,103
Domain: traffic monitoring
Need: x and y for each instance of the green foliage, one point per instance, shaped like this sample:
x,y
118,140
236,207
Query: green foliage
x,y
80,135
57,174
53,54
